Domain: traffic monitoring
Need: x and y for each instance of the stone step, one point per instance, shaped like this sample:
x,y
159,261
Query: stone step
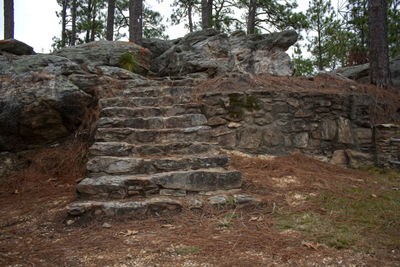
x,y
143,208
145,112
181,121
106,165
125,186
142,136
157,91
122,149
146,101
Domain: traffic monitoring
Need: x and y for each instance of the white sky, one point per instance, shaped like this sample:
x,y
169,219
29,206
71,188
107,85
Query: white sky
x,y
36,22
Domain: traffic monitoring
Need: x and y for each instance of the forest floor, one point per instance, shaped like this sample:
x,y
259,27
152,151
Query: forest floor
x,y
312,214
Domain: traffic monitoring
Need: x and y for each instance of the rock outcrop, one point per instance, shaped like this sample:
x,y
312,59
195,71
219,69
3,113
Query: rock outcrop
x,y
216,53
15,47
360,73
107,53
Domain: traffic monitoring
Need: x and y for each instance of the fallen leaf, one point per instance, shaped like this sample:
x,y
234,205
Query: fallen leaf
x,y
169,226
310,245
129,233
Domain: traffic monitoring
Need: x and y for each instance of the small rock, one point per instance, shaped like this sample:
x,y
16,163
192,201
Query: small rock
x,y
70,222
234,125
106,225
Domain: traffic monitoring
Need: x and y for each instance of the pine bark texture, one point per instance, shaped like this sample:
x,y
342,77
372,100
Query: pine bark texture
x,y
190,6
8,19
378,49
251,20
135,21
64,22
110,20
73,31
206,13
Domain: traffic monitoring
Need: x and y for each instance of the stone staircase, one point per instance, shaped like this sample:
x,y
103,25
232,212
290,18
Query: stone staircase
x,y
154,153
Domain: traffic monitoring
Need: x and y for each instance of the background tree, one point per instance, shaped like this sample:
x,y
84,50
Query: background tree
x,y
206,13
64,22
110,20
73,22
183,10
320,16
379,54
136,21
8,19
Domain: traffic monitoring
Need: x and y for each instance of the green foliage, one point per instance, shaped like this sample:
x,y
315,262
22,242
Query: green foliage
x,y
303,66
227,220
129,62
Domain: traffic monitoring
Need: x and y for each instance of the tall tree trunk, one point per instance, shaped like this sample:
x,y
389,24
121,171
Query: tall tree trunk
x,y
190,6
8,19
110,20
135,21
93,24
251,20
378,48
206,13
88,19
73,33
64,22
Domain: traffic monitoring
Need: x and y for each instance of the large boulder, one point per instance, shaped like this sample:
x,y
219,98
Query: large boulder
x,y
107,53
15,47
360,73
38,104
156,46
217,53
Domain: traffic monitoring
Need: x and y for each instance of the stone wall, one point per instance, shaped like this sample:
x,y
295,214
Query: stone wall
x,y
334,127
387,145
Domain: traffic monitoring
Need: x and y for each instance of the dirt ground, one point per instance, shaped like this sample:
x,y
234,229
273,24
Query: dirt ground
x,y
277,232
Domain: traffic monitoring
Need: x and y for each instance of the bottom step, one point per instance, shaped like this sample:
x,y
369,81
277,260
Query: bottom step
x,y
155,205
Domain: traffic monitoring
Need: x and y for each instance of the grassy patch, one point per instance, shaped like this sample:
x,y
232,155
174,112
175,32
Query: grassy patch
x,y
227,220
186,250
129,62
364,218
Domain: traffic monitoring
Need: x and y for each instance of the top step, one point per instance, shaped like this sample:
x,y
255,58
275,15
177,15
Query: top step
x,y
155,91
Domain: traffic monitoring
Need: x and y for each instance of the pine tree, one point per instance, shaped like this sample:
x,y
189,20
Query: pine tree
x,y
110,20
64,22
379,54
73,22
8,19
206,13
136,21
183,10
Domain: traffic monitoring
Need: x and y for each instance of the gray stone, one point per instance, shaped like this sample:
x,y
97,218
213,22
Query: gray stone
x,y
173,192
328,129
273,136
107,53
156,46
216,53
250,138
339,158
301,140
217,200
15,47
358,159
363,135
345,134
106,225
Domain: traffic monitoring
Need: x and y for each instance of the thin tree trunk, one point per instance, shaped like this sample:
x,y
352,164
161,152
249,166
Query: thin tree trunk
x,y
251,20
93,24
88,18
73,33
378,48
8,19
319,30
64,22
206,13
110,20
135,21
190,6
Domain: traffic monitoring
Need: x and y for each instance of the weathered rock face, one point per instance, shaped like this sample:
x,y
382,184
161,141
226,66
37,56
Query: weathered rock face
x,y
15,47
45,97
216,53
107,53
360,73
156,46
38,103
